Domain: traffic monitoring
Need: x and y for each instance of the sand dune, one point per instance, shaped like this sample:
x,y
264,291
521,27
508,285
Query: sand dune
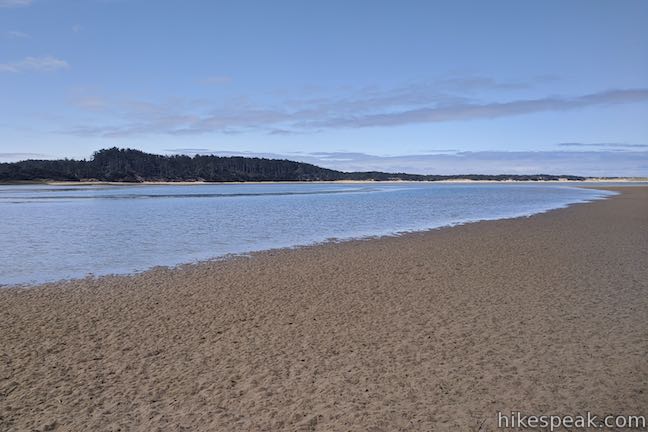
x,y
428,331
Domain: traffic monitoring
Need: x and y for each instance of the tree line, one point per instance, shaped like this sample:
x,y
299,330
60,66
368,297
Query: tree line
x,y
128,165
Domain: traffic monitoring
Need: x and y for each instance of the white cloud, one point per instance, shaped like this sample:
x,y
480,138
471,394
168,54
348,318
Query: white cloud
x,y
40,64
14,3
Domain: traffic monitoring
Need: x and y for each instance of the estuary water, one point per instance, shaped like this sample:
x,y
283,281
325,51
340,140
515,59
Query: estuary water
x,y
49,233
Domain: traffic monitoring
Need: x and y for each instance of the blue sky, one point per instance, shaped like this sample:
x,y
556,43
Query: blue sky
x,y
419,86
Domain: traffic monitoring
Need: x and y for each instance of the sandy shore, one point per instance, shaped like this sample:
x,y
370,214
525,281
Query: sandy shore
x,y
428,331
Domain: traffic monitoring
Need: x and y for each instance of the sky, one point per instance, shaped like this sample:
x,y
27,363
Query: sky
x,y
437,87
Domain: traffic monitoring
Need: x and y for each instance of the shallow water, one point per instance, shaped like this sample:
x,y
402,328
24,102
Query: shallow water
x,y
58,232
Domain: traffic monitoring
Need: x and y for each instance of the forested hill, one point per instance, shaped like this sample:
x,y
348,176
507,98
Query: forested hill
x,y
127,165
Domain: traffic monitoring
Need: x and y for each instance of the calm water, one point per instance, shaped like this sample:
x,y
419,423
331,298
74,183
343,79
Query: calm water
x,y
50,233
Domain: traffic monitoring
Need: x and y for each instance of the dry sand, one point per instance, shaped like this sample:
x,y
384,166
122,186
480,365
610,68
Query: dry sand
x,y
427,331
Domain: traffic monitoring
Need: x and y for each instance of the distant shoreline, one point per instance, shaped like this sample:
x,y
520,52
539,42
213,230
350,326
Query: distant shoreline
x,y
129,165
192,183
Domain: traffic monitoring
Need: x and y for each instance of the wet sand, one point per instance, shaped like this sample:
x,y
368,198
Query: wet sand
x,y
427,331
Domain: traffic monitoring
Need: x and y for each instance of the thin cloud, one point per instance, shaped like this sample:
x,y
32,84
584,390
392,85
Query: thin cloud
x,y
12,157
470,111
216,80
605,145
241,114
91,103
188,151
15,34
289,132
283,132
37,64
586,163
370,107
480,83
14,3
